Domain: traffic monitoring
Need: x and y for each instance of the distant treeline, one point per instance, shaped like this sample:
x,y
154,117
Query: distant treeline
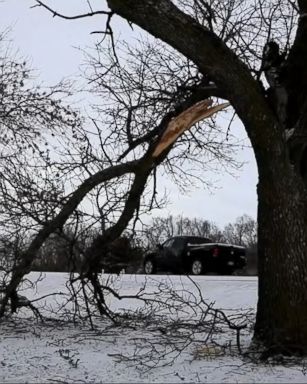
x,y
67,250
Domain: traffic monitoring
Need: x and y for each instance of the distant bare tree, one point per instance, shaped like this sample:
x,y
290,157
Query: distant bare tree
x,y
242,232
161,228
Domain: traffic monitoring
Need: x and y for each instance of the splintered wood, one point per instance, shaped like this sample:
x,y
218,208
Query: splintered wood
x,y
185,121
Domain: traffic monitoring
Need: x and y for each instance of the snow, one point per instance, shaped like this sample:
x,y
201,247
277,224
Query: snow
x,y
59,351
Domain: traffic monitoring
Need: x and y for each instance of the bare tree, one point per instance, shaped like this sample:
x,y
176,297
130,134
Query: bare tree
x,y
253,53
108,166
161,228
242,232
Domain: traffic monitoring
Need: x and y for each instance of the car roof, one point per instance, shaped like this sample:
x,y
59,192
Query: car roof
x,y
194,239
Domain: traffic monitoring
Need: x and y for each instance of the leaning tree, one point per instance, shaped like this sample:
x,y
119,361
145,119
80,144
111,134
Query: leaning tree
x,y
59,172
253,54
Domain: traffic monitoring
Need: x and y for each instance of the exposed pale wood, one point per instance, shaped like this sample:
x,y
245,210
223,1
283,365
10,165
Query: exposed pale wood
x,y
185,121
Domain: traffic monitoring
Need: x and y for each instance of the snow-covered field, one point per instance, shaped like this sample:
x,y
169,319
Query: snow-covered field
x,y
58,351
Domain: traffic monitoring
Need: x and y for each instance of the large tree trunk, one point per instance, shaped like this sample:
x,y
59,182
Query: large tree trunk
x,y
281,324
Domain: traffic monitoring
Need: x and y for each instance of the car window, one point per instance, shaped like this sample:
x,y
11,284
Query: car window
x,y
179,244
168,243
198,240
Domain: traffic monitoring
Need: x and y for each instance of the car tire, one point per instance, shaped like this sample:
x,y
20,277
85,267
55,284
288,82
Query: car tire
x,y
149,266
197,267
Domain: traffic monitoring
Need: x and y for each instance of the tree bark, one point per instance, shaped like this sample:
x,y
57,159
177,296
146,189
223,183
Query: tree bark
x,y
281,323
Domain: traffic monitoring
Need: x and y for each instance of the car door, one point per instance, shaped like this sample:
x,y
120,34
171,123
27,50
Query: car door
x,y
164,255
176,256
172,254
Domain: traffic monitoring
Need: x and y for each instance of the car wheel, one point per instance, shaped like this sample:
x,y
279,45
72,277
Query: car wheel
x,y
149,267
197,267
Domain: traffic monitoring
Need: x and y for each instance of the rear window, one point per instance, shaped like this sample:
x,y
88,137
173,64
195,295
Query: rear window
x,y
198,240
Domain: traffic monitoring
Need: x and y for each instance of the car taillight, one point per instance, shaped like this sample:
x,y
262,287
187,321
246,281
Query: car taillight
x,y
215,252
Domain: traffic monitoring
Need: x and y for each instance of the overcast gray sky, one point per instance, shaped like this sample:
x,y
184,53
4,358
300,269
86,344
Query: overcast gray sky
x,y
49,45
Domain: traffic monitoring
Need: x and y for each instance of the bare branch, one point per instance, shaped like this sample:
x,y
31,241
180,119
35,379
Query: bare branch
x,y
81,16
